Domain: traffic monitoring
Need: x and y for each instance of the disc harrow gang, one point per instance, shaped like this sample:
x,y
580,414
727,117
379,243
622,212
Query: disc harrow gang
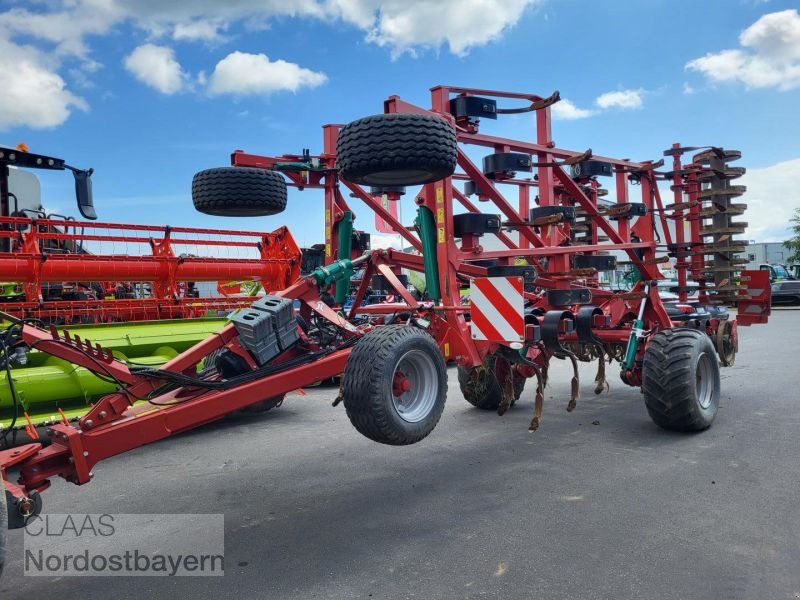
x,y
704,189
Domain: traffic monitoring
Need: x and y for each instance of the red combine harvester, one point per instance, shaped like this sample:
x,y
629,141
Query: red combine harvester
x,y
535,298
65,271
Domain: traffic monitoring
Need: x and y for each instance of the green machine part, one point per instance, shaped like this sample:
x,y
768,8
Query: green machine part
x,y
345,252
426,226
46,383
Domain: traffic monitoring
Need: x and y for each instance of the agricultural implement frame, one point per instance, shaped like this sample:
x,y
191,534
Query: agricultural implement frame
x,y
566,314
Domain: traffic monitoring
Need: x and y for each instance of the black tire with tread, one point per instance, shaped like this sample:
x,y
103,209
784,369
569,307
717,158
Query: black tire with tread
x,y
369,375
239,192
669,380
396,149
480,386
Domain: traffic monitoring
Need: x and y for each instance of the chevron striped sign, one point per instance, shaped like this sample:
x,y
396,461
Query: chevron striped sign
x,y
497,309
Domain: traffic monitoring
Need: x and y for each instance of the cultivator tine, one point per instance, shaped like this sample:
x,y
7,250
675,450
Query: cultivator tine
x,y
574,384
600,381
508,393
567,162
538,403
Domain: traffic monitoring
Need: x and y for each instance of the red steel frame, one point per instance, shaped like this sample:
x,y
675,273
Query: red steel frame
x,y
114,425
275,260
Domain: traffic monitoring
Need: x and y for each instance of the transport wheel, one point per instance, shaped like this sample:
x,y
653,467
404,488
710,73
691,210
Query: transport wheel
x,y
396,149
262,407
239,192
3,526
395,385
482,385
681,380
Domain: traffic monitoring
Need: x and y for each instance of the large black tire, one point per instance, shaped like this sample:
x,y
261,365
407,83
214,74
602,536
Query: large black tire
x,y
371,381
680,380
396,149
239,192
481,387
3,526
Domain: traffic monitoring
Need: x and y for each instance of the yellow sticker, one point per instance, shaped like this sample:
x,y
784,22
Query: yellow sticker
x,y
328,250
327,217
439,195
447,350
441,235
440,216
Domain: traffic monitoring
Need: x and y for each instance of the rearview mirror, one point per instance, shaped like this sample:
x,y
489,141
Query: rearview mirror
x,y
83,192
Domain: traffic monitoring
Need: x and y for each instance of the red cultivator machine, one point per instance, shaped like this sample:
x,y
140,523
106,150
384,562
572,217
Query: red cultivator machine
x,y
534,296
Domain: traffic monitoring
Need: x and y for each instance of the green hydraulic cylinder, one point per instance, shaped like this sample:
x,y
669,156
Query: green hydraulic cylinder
x,y
345,252
637,330
426,226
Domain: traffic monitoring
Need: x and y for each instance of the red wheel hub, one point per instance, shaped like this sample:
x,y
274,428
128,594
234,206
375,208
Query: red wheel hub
x,y
401,384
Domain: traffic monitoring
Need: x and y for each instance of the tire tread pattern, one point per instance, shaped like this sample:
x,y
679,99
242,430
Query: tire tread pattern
x,y
239,192
365,380
396,142
669,380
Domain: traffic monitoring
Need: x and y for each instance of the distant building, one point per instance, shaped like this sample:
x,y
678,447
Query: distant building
x,y
765,253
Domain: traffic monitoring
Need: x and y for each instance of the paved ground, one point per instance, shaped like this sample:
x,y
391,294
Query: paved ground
x,y
597,504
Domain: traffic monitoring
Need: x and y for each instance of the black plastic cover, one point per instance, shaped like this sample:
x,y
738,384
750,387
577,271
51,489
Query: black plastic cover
x,y
506,163
473,106
600,263
592,168
475,224
569,297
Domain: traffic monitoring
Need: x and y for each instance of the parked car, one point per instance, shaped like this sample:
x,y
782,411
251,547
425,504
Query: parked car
x,y
786,292
692,312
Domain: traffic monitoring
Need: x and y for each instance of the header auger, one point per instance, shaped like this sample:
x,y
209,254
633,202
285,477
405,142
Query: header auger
x,y
531,260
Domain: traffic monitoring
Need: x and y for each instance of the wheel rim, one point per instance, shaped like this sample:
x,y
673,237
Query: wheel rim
x,y
414,388
704,373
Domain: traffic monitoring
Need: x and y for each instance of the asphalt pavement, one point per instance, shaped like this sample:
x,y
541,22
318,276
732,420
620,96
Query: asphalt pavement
x,y
598,503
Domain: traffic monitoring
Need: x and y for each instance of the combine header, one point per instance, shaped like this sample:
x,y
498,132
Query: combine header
x,y
528,234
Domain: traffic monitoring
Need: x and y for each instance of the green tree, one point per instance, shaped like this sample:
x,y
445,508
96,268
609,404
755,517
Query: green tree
x,y
793,243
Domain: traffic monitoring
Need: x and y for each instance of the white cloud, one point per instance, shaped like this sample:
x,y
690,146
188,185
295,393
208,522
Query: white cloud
x,y
565,110
400,25
771,198
688,89
403,25
621,99
157,67
769,55
207,31
241,74
33,94
62,31
381,241
65,28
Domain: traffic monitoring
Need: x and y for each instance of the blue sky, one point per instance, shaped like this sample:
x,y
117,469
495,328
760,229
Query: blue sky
x,y
149,92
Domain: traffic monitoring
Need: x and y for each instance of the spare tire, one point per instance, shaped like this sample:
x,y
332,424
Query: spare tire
x,y
396,149
239,192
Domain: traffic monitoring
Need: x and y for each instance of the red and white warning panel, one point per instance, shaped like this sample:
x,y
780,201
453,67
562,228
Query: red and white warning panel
x,y
497,309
